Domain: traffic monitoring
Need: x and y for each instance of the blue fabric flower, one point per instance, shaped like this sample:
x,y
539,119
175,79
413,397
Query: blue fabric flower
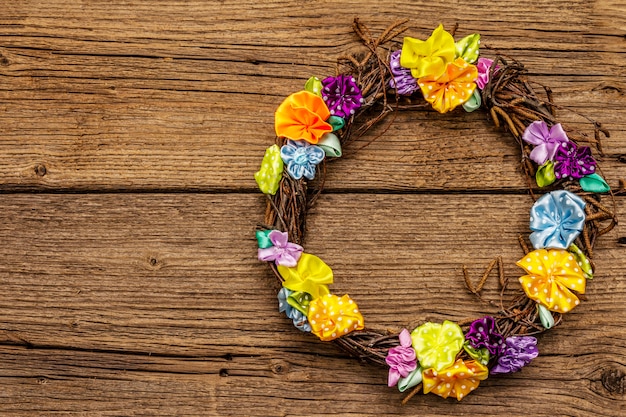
x,y
301,158
556,219
299,319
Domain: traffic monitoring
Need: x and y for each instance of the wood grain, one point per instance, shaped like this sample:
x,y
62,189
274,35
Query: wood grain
x,y
129,133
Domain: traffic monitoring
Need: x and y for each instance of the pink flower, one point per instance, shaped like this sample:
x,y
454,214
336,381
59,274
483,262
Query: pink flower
x,y
283,252
401,359
483,65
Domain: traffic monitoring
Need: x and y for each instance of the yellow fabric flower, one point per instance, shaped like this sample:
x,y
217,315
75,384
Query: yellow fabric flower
x,y
437,345
331,317
551,275
457,380
310,275
452,88
268,177
428,57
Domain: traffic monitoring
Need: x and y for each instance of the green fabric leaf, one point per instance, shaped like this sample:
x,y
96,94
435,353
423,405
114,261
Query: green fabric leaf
x,y
410,381
545,316
594,184
467,48
545,174
313,85
300,301
481,355
262,237
582,261
330,144
474,102
336,122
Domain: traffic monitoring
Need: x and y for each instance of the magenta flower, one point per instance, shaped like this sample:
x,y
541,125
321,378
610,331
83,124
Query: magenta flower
x,y
483,65
546,140
482,333
402,80
401,359
519,351
342,95
283,252
573,161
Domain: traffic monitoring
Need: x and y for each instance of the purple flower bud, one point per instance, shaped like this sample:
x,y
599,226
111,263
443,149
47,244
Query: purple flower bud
x,y
342,95
519,351
482,333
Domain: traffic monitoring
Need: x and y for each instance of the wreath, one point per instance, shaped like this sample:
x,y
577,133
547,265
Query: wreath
x,y
313,125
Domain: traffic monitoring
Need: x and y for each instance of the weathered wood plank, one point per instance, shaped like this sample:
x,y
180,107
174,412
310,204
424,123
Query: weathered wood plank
x,y
110,100
165,289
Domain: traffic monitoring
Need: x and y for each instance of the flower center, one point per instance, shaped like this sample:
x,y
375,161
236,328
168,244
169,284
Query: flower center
x,y
300,157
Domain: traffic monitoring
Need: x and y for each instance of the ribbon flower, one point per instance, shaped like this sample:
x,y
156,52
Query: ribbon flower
x,y
556,219
573,161
452,88
301,158
519,351
436,345
430,57
546,140
483,66
282,252
302,116
299,319
342,95
331,316
401,359
482,333
402,80
458,379
551,276
311,275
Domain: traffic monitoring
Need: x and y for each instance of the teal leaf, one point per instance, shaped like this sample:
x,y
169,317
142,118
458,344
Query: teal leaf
x,y
263,239
410,381
545,316
336,122
474,102
594,183
330,144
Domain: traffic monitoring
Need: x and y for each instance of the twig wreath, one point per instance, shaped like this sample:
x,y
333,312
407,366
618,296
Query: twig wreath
x,y
312,126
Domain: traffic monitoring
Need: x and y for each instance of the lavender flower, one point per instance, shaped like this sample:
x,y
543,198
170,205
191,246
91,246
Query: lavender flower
x,y
573,161
402,80
342,95
283,252
519,351
546,139
482,333
401,359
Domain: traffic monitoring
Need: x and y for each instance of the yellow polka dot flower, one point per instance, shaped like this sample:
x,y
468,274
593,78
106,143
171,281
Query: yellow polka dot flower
x,y
452,88
457,380
436,345
311,275
429,57
551,275
331,316
268,177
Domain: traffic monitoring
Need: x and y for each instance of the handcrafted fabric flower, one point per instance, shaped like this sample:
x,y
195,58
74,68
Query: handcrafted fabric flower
x,y
452,88
430,57
436,345
299,319
301,158
545,139
302,116
331,316
483,66
342,95
268,177
311,275
457,380
467,48
556,219
551,275
401,359
282,252
482,333
404,83
519,351
573,161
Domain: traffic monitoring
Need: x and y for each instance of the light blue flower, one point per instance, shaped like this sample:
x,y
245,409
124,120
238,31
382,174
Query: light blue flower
x,y
556,219
299,319
301,158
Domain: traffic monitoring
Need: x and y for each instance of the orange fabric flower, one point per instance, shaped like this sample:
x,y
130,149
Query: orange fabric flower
x,y
551,275
301,116
331,316
452,88
458,380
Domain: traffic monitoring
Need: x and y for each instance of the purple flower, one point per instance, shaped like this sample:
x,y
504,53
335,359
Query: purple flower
x,y
519,351
483,66
402,80
546,140
283,252
482,333
342,95
573,161
401,359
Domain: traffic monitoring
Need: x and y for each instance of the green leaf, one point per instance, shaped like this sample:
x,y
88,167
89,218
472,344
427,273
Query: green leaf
x,y
330,144
545,174
313,85
467,48
410,381
582,261
474,102
262,237
481,355
594,184
336,122
545,316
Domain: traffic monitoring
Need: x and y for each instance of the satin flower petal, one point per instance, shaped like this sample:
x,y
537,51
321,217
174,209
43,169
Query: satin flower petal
x,y
430,57
302,116
401,359
551,275
457,380
311,275
436,345
452,88
282,252
556,219
546,140
268,177
331,316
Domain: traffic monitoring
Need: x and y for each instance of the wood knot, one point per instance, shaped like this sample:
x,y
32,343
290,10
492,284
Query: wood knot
x,y
40,170
223,372
613,380
622,159
154,263
279,367
621,240
4,60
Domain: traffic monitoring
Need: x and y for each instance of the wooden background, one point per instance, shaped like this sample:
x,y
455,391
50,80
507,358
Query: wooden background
x,y
129,134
